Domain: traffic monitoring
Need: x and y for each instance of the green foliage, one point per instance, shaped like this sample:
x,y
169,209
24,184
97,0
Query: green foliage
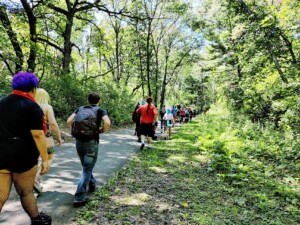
x,y
67,93
5,85
245,152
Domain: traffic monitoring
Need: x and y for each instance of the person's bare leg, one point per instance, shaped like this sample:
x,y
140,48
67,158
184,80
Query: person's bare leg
x,y
142,142
24,183
5,187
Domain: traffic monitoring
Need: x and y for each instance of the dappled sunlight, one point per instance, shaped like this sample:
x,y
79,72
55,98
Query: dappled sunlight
x,y
162,206
292,182
158,169
134,199
181,140
201,158
174,158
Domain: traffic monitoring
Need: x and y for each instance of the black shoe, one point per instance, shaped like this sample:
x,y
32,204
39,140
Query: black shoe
x,y
41,219
142,146
92,187
83,202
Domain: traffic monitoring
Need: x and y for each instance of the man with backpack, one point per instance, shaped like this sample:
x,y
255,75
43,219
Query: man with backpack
x,y
85,123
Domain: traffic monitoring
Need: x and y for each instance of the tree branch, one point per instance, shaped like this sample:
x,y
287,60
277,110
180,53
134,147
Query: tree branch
x,y
100,75
135,89
50,43
57,9
7,64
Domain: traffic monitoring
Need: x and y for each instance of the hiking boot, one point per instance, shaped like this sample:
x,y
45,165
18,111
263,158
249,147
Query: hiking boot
x,y
92,187
83,202
142,146
37,187
41,219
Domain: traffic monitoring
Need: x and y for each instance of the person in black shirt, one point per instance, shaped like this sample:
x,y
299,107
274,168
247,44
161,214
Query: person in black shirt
x,y
22,140
87,150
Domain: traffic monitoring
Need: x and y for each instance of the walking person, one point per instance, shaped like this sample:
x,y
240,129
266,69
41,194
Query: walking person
x,y
169,122
148,114
162,113
190,113
43,99
87,143
182,115
136,120
174,112
22,140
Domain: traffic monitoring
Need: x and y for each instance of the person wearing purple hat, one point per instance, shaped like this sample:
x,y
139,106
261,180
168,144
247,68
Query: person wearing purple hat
x,y
22,140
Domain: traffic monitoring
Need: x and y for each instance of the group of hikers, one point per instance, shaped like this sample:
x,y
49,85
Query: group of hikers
x,y
27,126
26,119
145,116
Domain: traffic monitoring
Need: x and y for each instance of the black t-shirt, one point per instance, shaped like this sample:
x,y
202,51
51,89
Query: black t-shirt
x,y
18,115
100,114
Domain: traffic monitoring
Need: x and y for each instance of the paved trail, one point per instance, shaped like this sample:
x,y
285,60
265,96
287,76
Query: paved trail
x,y
116,148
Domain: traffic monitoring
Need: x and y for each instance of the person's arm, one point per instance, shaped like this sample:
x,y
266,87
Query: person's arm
x,y
155,114
53,124
40,141
138,110
71,119
106,124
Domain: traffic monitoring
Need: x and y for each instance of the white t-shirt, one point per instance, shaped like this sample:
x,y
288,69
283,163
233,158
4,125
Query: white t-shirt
x,y
168,116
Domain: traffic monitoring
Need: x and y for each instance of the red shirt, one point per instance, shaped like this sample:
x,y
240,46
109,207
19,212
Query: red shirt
x,y
147,117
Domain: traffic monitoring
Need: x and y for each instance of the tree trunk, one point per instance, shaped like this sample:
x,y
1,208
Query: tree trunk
x,y
164,82
33,41
67,43
13,38
156,77
141,64
148,56
277,65
290,48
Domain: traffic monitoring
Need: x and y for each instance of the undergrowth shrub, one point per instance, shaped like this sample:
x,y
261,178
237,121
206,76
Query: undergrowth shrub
x,y
246,151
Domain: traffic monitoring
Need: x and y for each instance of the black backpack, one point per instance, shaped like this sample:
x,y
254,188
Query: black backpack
x,y
84,126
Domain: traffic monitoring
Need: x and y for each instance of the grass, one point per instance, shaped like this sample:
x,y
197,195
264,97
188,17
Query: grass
x,y
211,172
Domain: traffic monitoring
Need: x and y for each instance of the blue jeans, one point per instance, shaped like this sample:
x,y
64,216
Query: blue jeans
x,y
88,153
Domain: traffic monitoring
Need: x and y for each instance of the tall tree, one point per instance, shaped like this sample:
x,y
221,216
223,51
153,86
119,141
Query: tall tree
x,y
13,39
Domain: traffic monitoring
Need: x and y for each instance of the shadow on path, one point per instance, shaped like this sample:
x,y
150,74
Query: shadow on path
x,y
116,148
